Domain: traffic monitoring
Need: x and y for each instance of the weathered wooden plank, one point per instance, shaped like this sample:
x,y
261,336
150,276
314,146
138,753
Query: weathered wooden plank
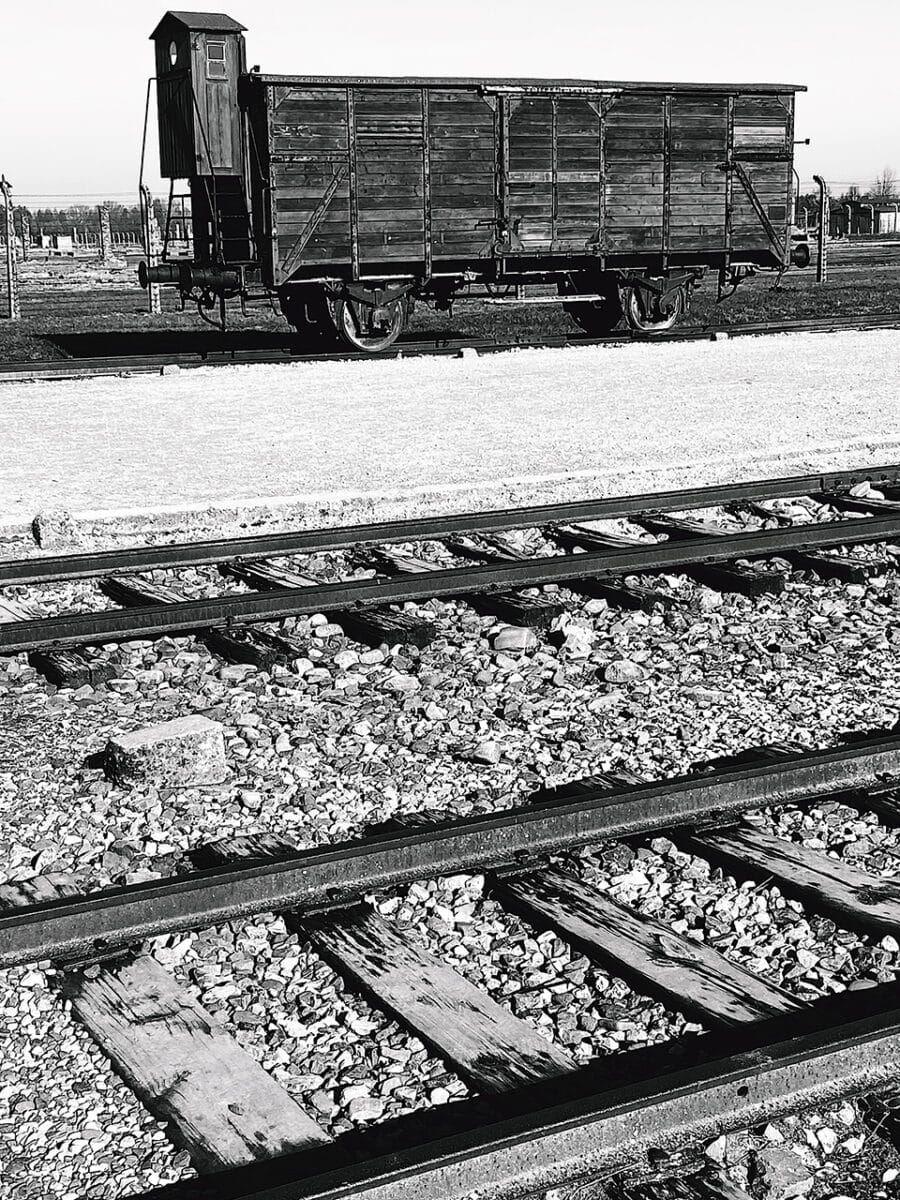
x,y
534,611
748,581
309,144
71,668
372,626
477,154
644,174
855,898
645,952
219,1103
636,226
293,220
483,1041
375,222
387,161
456,243
306,198
460,137
317,251
473,224
693,1187
452,199
378,100
327,111
689,221
14,610
829,567
301,101
238,644
634,145
633,214
334,128
620,594
389,247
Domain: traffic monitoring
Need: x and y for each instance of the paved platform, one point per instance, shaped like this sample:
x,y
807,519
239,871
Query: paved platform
x,y
216,451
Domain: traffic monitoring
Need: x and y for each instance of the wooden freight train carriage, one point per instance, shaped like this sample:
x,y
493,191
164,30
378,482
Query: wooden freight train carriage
x,y
351,197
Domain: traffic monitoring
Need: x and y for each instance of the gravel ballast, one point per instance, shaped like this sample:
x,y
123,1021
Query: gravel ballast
x,y
353,736
321,443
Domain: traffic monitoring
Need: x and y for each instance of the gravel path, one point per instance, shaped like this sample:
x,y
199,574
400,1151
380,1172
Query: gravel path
x,y
335,441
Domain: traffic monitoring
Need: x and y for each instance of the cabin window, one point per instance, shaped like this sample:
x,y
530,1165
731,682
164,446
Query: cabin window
x,y
173,53
215,60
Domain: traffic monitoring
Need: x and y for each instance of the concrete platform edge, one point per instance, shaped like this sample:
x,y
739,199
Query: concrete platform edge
x,y
58,531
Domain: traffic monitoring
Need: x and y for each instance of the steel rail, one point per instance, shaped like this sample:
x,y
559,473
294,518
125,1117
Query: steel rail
x,y
330,875
807,1064
116,625
147,558
85,368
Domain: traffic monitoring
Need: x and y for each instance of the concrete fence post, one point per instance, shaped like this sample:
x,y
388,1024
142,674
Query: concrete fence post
x,y
106,251
824,222
152,247
26,233
12,270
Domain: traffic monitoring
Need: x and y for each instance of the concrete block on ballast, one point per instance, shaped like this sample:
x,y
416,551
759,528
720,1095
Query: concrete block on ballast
x,y
179,753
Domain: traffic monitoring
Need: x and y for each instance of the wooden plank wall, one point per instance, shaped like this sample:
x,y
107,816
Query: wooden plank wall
x,y
697,151
218,133
763,125
176,124
634,143
553,155
389,173
529,169
353,167
578,166
310,175
462,133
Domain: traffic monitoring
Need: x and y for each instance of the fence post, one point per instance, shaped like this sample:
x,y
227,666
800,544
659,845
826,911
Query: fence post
x,y
105,233
824,221
26,233
152,247
12,271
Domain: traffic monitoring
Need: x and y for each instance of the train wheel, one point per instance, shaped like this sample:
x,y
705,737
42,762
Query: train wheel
x,y
595,317
367,327
662,312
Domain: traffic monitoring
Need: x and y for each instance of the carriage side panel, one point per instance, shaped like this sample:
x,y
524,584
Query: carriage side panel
x,y
698,149
366,178
635,162
463,181
308,177
763,154
387,173
577,167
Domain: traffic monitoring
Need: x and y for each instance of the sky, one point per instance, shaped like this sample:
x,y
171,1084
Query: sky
x,y
73,81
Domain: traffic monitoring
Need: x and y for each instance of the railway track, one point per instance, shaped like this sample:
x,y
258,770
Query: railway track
x,y
537,1119
207,356
492,561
